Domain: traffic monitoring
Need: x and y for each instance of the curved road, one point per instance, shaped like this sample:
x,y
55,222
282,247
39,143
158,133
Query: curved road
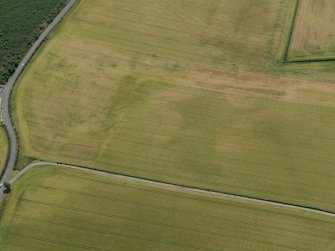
x,y
13,142
172,186
8,89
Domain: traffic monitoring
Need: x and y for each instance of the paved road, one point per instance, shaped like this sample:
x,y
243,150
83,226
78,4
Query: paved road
x,y
8,89
173,186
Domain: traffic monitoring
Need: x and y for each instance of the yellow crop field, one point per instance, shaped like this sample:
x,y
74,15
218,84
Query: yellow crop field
x,y
314,32
66,210
157,90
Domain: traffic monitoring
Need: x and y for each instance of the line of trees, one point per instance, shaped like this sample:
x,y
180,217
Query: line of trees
x,y
21,22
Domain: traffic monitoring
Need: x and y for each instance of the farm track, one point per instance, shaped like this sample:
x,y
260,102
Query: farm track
x,y
181,188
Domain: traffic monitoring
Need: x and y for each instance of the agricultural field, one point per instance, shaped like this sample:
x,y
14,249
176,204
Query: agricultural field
x,y
314,35
3,148
21,22
121,87
54,209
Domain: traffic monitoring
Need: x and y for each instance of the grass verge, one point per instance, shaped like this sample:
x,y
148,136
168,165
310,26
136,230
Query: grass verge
x,y
3,148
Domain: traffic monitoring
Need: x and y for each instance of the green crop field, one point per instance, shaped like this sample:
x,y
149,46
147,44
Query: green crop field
x,y
123,86
150,107
53,209
313,35
199,93
3,148
21,22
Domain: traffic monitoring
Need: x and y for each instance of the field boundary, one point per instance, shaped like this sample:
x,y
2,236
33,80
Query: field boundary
x,y
306,59
182,188
290,31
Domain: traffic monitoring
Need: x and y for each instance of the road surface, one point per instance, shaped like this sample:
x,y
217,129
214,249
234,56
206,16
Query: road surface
x,y
172,186
8,89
